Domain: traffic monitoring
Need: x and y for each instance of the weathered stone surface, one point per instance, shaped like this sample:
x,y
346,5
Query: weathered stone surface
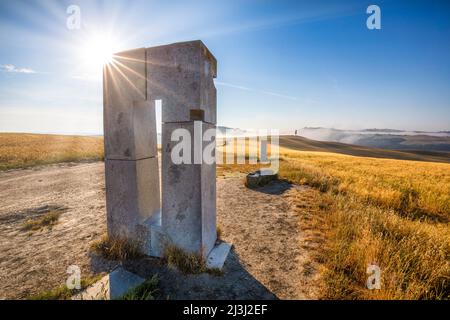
x,y
132,195
111,286
181,75
129,118
260,178
188,196
159,241
154,240
208,200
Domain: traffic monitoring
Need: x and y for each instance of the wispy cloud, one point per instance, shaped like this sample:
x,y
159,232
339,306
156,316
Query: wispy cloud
x,y
270,93
10,68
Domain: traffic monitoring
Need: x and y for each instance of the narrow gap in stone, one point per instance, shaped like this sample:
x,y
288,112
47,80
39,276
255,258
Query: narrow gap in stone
x,y
158,114
146,75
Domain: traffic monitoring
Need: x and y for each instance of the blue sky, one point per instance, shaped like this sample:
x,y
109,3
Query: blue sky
x,y
281,64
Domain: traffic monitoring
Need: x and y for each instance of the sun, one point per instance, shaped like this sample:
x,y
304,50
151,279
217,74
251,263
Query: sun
x,y
98,50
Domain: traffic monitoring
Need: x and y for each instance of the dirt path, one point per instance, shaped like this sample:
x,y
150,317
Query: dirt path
x,y
262,226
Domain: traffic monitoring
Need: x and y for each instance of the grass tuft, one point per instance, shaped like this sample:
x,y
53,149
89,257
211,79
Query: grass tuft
x,y
47,220
117,248
145,291
187,263
219,232
64,293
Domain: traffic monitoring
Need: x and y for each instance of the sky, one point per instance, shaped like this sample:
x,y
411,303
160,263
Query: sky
x,y
281,64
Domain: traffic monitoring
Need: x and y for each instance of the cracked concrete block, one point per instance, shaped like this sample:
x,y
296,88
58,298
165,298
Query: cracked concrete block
x,y
132,195
188,194
181,75
129,118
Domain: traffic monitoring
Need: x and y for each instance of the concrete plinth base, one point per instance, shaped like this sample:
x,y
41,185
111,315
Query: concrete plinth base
x,y
218,255
111,286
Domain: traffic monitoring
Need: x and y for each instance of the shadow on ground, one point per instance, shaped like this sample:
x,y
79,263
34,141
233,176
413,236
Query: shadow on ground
x,y
235,283
276,187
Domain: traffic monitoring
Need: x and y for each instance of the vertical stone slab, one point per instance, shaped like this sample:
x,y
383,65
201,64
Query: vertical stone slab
x,y
144,128
132,195
208,97
188,194
131,164
129,118
181,75
208,195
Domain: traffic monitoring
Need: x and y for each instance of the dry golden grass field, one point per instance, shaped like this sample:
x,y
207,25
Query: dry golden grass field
x,y
22,150
390,212
393,213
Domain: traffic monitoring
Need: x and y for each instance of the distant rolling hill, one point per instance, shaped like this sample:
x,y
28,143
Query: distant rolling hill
x,y
383,138
304,144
